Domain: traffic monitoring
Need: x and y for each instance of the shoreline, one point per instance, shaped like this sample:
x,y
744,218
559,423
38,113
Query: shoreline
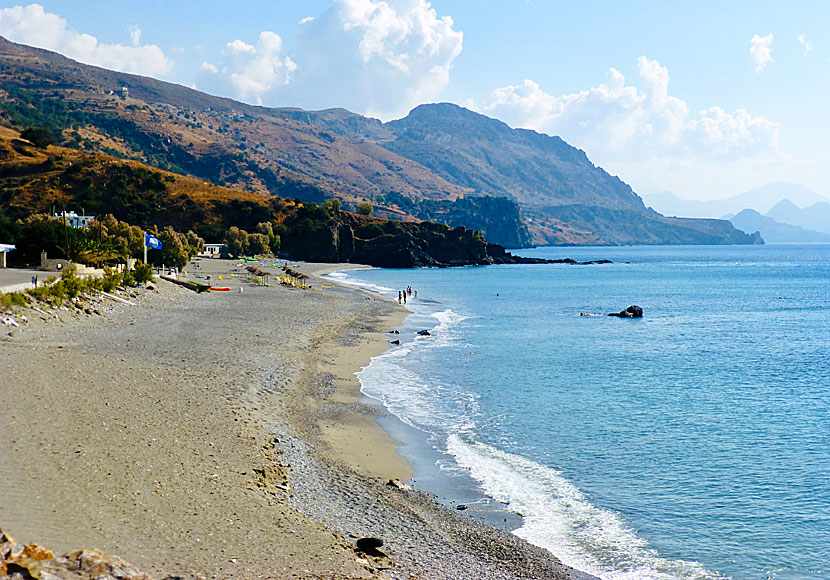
x,y
198,436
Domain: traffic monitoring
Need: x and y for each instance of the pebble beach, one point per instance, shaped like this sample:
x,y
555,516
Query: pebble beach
x,y
222,435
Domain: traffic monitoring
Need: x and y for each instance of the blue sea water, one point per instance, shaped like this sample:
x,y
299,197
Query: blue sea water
x,y
693,443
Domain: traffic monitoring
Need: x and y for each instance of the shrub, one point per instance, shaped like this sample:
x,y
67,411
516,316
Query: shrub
x,y
111,280
365,208
42,137
128,279
13,299
143,273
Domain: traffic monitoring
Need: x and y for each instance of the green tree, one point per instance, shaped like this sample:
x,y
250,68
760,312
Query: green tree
x,y
174,249
258,244
333,205
237,241
365,208
42,137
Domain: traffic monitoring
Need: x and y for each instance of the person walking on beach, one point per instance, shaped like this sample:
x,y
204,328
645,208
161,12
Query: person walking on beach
x,y
404,296
399,296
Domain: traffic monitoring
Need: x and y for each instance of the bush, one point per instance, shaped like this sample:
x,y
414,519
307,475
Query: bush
x,y
365,208
13,299
111,280
42,137
143,272
128,279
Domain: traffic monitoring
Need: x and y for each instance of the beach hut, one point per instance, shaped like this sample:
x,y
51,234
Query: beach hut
x,y
3,249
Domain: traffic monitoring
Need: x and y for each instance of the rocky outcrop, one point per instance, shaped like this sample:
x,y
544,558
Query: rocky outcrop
x,y
33,561
349,237
633,311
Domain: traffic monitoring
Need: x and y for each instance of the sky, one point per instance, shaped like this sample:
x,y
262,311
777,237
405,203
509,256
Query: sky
x,y
706,99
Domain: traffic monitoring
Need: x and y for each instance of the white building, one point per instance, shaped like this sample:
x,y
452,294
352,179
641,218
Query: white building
x,y
213,250
3,249
74,220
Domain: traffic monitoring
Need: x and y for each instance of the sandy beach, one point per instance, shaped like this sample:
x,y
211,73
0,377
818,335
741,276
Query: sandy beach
x,y
222,435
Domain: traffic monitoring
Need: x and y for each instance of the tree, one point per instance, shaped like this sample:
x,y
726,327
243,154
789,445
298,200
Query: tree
x,y
333,205
42,137
195,243
174,248
365,208
237,241
258,244
265,228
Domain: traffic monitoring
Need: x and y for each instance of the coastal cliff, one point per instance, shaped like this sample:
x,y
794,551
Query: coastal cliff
x,y
364,240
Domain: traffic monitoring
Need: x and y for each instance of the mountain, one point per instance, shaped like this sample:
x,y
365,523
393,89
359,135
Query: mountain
x,y
775,232
39,179
761,199
815,217
565,198
441,163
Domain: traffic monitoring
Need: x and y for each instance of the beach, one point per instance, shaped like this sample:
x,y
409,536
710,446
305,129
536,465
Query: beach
x,y
222,435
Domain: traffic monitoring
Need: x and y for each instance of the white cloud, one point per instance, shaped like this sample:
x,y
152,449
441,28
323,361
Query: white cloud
x,y
806,46
34,26
376,57
248,72
618,121
135,34
760,49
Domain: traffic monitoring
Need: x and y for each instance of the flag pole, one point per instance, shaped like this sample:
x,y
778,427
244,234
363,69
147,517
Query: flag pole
x,y
145,246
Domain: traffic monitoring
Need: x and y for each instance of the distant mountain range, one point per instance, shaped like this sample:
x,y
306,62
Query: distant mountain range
x,y
776,232
441,163
815,217
761,199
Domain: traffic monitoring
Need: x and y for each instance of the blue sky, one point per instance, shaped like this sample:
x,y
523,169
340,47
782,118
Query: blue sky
x,y
706,99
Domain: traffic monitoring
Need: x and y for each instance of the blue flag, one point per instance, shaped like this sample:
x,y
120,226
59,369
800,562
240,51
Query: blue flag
x,y
152,241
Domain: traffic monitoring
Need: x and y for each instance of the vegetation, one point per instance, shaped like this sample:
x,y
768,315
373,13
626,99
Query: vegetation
x,y
107,241
68,287
365,208
42,137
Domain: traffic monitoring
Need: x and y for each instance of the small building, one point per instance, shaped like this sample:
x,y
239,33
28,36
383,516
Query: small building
x,y
214,251
74,220
3,249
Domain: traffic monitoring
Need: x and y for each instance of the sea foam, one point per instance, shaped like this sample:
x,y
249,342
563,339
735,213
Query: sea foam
x,y
560,518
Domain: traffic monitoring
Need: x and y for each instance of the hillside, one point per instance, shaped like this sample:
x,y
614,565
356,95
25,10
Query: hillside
x,y
440,163
35,180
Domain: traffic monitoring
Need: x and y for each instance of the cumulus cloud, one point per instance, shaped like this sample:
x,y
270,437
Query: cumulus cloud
x,y
615,120
377,57
806,46
760,49
248,72
34,26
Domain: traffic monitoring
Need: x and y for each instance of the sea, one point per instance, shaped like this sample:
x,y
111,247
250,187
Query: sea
x,y
693,443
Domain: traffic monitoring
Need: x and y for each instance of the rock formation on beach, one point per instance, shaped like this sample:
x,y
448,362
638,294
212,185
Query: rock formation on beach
x,y
23,562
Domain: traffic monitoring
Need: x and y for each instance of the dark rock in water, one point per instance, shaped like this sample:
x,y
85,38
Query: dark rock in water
x,y
394,332
461,507
423,333
368,544
394,342
633,311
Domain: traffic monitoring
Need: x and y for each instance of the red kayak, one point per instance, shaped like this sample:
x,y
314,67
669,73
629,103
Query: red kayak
x,y
220,288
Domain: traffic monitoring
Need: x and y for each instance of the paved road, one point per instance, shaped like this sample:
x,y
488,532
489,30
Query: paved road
x,y
12,279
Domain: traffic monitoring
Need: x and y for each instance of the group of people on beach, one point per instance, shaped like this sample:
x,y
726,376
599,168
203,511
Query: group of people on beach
x,y
402,294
